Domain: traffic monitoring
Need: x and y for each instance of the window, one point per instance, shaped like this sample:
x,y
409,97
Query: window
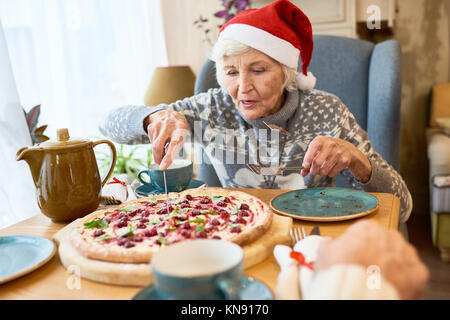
x,y
78,59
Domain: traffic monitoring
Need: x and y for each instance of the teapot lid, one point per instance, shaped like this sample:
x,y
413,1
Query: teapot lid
x,y
63,140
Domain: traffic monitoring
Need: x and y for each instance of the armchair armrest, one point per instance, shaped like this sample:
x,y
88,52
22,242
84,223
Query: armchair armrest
x,y
384,101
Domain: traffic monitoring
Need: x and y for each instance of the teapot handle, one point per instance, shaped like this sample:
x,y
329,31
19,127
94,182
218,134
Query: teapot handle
x,y
113,162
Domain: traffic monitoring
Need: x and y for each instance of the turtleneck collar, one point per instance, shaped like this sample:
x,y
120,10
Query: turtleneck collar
x,y
280,117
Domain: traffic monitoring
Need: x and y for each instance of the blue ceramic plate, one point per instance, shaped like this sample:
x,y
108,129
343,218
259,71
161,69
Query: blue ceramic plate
x,y
148,190
20,255
324,204
251,289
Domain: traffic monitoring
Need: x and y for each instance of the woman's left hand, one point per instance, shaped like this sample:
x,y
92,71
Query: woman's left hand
x,y
329,156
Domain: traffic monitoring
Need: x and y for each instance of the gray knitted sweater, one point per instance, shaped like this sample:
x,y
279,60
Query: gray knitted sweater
x,y
231,141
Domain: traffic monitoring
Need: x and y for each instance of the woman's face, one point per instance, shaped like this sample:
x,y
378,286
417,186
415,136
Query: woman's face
x,y
255,83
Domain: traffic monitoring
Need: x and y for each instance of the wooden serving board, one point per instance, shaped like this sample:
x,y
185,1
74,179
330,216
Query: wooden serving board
x,y
140,274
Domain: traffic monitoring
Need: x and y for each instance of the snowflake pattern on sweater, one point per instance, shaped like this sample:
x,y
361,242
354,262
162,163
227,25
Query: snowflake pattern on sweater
x,y
231,142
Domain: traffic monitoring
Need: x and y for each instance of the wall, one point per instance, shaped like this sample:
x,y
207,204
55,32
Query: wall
x,y
185,42
422,28
447,3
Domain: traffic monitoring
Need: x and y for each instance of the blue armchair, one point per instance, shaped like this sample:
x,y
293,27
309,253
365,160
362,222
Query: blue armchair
x,y
365,76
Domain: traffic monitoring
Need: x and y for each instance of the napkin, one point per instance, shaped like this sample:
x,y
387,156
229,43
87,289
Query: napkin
x,y
297,279
119,187
296,266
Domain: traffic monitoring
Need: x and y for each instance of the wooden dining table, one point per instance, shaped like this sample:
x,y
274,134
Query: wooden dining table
x,y
52,280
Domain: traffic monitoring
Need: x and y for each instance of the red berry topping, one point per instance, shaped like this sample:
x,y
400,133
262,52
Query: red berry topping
x,y
150,233
128,244
244,206
185,233
243,213
214,222
98,232
200,234
133,213
211,229
235,229
122,223
239,220
205,200
224,214
221,203
122,216
185,226
162,211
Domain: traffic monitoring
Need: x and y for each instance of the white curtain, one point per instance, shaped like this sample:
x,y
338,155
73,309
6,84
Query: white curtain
x,y
16,187
78,59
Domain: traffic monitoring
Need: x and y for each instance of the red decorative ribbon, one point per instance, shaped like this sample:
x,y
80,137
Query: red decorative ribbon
x,y
115,180
300,258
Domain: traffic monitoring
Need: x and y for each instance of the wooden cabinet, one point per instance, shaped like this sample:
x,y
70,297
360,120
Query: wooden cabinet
x,y
334,17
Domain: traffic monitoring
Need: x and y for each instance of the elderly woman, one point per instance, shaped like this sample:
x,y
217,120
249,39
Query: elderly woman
x,y
256,58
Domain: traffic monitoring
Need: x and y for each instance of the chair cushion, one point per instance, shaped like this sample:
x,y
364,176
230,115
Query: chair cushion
x,y
438,152
444,124
440,103
348,60
440,223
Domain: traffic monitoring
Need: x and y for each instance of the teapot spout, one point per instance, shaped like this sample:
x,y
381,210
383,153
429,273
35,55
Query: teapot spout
x,y
34,157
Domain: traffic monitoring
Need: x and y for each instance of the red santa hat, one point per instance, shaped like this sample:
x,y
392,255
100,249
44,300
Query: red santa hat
x,y
280,30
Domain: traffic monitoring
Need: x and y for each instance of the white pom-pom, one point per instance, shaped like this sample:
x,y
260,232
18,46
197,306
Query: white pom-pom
x,y
306,82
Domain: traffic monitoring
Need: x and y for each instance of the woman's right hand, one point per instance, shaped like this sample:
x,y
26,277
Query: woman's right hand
x,y
163,126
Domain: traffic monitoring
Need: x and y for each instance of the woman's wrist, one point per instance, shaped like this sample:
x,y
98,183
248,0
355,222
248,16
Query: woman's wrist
x,y
162,114
361,167
146,122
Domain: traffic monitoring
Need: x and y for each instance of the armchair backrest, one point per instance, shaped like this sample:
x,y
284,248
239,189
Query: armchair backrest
x,y
365,76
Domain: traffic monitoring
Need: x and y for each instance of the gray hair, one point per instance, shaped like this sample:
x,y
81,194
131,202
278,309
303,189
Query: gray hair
x,y
228,47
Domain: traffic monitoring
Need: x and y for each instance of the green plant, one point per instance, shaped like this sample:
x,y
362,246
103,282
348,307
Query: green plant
x,y
228,11
127,162
32,117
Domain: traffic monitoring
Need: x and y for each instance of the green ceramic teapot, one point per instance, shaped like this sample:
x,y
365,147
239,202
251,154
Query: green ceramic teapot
x,y
66,176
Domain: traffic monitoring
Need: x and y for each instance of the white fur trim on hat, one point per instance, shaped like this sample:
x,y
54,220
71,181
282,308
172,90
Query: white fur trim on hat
x,y
279,49
306,82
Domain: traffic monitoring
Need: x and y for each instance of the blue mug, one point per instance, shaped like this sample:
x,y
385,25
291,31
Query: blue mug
x,y
202,269
178,175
